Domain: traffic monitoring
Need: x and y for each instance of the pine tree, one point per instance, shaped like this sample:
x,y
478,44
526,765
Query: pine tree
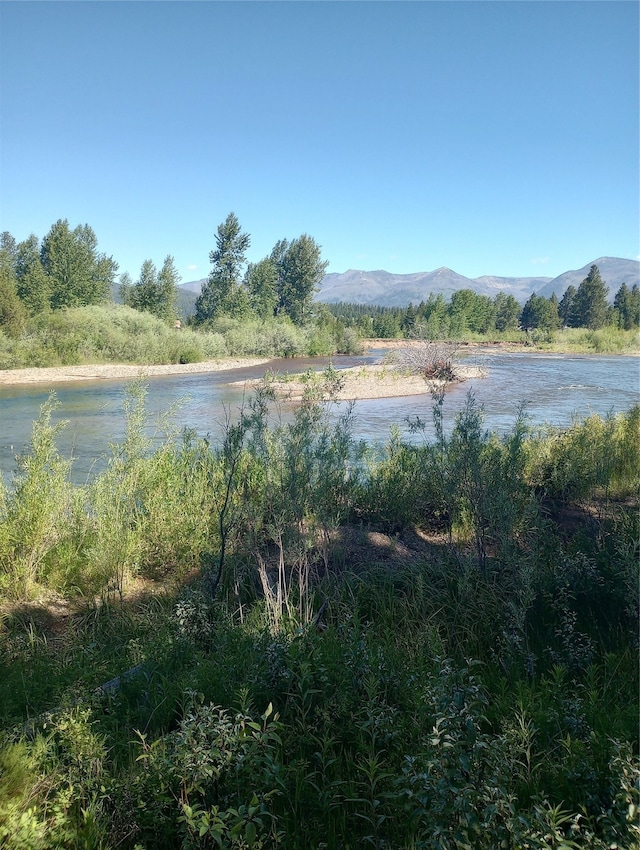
x,y
590,303
565,308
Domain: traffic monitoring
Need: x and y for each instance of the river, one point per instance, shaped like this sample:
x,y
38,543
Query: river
x,y
556,389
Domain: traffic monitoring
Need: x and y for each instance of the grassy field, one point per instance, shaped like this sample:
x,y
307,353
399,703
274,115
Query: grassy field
x,y
285,641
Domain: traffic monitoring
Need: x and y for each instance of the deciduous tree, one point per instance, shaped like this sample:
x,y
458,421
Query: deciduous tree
x,y
33,284
261,280
221,294
13,313
539,312
300,270
78,273
507,312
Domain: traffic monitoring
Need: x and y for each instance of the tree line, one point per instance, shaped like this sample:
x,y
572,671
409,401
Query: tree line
x,y
468,312
66,269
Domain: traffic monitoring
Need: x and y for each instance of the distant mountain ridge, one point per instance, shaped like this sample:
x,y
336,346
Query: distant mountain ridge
x,y
399,290
386,289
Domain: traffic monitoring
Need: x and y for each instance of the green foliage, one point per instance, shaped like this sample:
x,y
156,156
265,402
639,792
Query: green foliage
x,y
77,274
13,314
540,313
105,334
222,293
474,685
300,270
589,305
597,456
34,285
627,306
154,292
36,512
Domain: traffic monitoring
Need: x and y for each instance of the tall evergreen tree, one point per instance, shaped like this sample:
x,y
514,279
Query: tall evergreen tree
x,y
590,303
634,306
9,245
221,294
627,307
566,306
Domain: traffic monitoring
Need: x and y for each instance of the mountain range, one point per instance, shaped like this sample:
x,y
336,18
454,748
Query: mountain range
x,y
399,290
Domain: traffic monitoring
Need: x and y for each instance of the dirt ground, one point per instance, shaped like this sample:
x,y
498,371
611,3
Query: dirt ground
x,y
366,382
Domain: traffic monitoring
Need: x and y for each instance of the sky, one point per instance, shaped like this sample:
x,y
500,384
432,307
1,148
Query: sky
x,y
493,138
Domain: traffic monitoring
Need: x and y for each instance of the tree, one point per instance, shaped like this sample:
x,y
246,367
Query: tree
x,y
221,294
9,246
78,273
13,313
470,311
300,270
539,312
33,284
634,306
590,303
125,289
168,280
627,306
507,312
566,306
261,280
142,295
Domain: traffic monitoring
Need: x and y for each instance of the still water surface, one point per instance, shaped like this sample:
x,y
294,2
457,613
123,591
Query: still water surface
x,y
556,388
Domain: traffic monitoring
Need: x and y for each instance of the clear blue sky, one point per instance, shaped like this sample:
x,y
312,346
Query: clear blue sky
x,y
490,137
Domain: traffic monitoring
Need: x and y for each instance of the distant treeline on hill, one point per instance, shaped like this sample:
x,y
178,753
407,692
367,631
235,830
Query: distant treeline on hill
x,y
467,312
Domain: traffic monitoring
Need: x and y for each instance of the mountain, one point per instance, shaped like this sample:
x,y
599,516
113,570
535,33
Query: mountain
x,y
193,286
613,271
399,290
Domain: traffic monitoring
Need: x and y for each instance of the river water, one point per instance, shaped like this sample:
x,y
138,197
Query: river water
x,y
557,389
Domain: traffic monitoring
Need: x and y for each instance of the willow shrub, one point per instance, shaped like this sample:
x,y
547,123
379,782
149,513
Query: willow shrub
x,y
106,333
277,337
595,457
152,507
37,512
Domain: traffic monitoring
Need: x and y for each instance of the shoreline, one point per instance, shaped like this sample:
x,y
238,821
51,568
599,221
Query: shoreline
x,y
48,375
120,371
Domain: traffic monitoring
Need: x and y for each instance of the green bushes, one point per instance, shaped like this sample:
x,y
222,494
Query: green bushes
x,y
106,334
480,690
597,456
118,334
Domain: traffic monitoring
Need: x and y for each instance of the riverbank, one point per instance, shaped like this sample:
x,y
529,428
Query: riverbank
x,y
118,371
